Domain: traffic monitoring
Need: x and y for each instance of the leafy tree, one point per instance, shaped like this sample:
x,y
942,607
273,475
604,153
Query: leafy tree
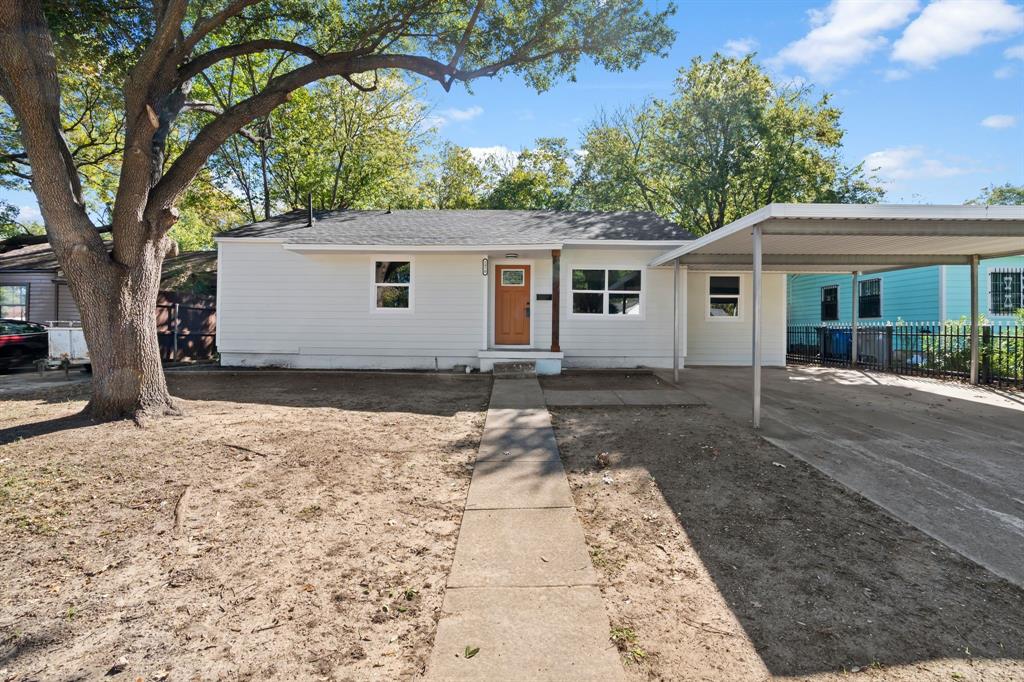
x,y
1000,195
541,178
459,182
729,141
347,148
154,52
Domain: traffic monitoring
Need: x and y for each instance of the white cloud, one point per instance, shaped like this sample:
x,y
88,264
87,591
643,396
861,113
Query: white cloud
x,y
446,116
740,47
896,74
29,214
1015,52
999,121
499,152
947,28
907,163
844,34
1004,72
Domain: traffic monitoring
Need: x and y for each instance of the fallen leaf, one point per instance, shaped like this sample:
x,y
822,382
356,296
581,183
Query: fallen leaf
x,y
470,651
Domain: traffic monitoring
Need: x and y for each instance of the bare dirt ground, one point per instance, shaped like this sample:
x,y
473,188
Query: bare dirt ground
x,y
727,559
312,541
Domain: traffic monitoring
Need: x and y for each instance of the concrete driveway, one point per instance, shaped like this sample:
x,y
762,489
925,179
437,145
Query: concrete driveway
x,y
945,457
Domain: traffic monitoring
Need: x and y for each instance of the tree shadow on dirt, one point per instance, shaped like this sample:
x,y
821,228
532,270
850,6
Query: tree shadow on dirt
x,y
26,431
820,578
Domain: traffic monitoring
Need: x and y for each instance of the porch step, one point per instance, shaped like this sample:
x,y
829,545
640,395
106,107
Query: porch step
x,y
520,369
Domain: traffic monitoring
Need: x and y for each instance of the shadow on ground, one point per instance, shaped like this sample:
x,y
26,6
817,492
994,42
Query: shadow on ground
x,y
820,578
362,392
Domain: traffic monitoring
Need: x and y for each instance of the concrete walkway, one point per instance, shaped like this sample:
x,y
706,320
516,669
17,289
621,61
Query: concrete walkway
x,y
522,589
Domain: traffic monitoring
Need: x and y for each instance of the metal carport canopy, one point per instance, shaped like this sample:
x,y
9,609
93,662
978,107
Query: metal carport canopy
x,y
852,238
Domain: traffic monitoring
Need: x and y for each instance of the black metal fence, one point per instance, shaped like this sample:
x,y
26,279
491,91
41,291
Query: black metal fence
x,y
941,349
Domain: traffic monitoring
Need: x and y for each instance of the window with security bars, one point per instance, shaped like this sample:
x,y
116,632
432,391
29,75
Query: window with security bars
x,y
830,303
1005,291
869,302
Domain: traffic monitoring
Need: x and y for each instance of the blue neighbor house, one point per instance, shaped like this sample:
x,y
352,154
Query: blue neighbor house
x,y
930,294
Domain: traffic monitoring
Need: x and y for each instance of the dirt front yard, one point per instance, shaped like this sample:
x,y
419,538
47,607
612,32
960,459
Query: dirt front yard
x,y
727,559
291,526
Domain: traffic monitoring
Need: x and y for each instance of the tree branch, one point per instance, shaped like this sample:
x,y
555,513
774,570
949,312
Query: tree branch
x,y
197,65
203,26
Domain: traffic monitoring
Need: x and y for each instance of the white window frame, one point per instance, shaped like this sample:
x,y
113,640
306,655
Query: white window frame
x,y
28,298
1001,270
821,299
392,258
881,300
604,314
741,307
513,268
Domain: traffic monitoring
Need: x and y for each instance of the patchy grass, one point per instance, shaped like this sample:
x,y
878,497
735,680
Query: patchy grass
x,y
291,526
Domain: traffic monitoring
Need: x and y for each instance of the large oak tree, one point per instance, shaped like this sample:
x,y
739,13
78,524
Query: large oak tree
x,y
158,49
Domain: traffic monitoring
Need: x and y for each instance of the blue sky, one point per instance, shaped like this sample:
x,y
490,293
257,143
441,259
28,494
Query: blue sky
x,y
932,92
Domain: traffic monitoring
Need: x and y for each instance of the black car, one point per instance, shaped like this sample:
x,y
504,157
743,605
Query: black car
x,y
22,343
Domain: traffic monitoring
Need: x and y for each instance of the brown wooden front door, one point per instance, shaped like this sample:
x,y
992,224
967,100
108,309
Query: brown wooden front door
x,y
512,305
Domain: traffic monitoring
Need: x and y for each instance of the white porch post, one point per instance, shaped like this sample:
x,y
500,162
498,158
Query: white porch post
x,y
756,325
854,300
675,321
974,319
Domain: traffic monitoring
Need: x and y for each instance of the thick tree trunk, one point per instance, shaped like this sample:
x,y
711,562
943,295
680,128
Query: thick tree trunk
x,y
118,309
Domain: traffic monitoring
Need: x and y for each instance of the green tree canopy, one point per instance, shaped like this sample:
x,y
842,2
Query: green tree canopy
x,y
540,178
459,181
1000,195
729,141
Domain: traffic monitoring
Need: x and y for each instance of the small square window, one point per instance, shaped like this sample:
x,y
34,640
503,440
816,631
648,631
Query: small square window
x,y
14,301
1005,291
392,281
513,278
723,296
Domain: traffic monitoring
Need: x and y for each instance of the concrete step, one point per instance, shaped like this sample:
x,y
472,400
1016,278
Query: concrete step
x,y
519,369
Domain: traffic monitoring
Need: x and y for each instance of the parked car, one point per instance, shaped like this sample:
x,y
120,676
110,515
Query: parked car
x,y
22,343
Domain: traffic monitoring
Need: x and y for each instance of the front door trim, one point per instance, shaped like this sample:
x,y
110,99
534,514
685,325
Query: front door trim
x,y
495,280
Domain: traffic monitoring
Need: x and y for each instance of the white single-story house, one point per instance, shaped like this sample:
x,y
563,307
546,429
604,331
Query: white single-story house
x,y
424,289
444,289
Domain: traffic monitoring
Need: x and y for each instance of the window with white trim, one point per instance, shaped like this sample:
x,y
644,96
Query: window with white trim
x,y
723,296
869,299
392,284
603,291
830,303
14,301
1005,291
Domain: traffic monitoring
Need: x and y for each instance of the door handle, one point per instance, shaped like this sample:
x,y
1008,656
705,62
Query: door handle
x,y
527,311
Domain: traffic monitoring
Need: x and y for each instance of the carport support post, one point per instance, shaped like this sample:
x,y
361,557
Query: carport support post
x,y
854,298
974,319
756,324
675,321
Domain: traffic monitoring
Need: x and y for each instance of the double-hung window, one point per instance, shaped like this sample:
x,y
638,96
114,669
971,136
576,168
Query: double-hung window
x,y
1005,291
869,300
606,292
723,296
830,303
392,284
14,301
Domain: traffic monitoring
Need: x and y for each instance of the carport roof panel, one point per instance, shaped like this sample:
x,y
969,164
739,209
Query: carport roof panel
x,y
859,237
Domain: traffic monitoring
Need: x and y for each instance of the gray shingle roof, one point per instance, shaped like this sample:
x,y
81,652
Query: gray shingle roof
x,y
460,228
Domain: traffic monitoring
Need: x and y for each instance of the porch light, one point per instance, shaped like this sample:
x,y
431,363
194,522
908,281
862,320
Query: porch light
x,y
483,267
511,255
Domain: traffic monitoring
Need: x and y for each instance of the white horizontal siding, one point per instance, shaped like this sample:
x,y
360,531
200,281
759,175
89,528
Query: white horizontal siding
x,y
618,340
728,341
315,309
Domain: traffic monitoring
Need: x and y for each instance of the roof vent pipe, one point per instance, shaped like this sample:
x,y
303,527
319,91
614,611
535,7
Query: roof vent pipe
x,y
309,220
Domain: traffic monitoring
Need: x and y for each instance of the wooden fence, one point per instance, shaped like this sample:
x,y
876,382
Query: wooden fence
x,y
186,326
